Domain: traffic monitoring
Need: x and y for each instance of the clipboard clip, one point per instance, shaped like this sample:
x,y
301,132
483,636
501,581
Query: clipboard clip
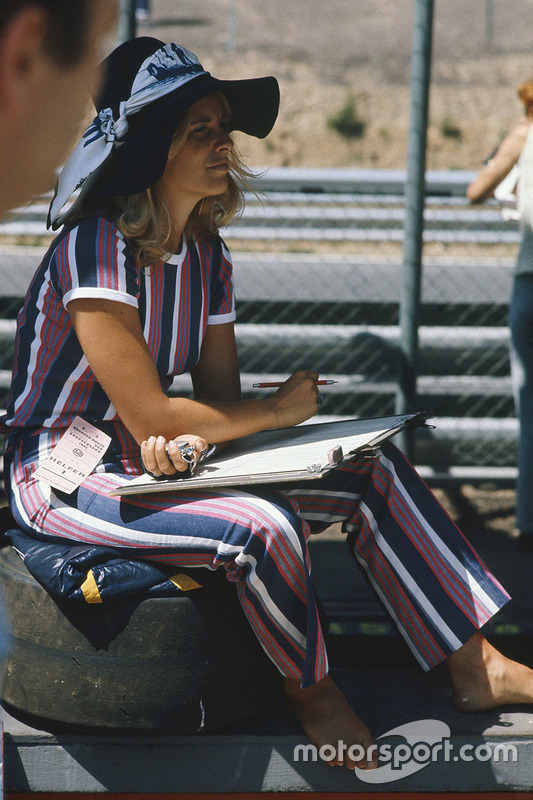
x,y
370,452
335,455
314,469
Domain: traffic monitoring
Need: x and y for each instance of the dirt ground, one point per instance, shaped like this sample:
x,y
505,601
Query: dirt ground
x,y
480,508
325,54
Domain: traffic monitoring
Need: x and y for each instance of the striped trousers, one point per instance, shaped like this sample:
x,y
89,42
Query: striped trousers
x,y
434,585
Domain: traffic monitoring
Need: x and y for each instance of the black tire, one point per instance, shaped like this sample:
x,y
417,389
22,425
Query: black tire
x,y
179,665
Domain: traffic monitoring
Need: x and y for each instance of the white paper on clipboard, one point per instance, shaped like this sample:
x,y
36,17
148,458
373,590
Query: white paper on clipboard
x,y
304,452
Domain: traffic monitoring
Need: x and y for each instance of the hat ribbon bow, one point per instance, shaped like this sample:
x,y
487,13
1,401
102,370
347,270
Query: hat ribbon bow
x,y
104,125
163,72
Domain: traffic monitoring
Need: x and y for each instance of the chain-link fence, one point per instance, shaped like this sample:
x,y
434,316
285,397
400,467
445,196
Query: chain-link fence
x,y
304,303
318,259
338,313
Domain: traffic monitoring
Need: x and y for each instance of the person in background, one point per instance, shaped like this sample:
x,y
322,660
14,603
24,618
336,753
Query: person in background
x,y
512,164
49,62
49,58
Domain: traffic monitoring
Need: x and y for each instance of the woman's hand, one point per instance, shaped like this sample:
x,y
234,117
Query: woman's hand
x,y
159,459
296,400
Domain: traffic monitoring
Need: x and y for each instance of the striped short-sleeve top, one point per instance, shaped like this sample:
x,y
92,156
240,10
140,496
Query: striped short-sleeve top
x,y
177,299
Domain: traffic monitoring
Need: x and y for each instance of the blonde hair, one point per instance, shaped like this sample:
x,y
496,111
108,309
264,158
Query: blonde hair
x,y
525,94
144,219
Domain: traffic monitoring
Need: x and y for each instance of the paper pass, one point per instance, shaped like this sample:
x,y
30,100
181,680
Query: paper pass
x,y
74,457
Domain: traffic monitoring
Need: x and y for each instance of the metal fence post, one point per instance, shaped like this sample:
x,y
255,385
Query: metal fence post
x,y
127,26
414,213
489,24
231,27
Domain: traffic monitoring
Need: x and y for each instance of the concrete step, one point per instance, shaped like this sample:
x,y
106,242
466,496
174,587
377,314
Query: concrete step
x,y
371,351
260,756
242,232
285,215
364,229
324,278
442,183
434,389
485,753
327,278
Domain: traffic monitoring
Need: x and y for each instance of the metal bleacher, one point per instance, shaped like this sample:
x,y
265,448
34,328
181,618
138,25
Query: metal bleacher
x,y
338,312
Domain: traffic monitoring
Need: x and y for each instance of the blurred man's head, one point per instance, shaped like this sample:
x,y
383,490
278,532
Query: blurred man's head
x,y
49,55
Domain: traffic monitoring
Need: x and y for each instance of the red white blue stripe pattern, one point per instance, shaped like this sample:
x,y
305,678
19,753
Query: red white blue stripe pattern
x,y
425,573
177,300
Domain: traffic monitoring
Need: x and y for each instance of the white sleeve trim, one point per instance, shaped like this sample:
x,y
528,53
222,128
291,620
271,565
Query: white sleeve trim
x,y
220,319
94,292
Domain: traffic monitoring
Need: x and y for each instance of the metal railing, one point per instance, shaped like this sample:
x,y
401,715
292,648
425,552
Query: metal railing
x,y
338,205
339,313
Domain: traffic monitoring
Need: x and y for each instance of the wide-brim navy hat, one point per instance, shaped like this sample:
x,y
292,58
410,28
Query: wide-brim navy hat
x,y
147,88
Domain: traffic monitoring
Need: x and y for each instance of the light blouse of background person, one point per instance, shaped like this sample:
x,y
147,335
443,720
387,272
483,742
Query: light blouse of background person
x,y
506,155
517,149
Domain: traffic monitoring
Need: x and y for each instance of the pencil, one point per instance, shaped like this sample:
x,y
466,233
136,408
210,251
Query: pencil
x,y
275,384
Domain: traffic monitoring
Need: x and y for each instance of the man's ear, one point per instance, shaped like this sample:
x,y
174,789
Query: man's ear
x,y
21,58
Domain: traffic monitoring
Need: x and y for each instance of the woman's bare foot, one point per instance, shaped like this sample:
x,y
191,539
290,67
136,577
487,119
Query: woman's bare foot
x,y
483,678
327,719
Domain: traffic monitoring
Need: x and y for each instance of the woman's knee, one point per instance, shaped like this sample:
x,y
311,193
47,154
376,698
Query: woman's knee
x,y
287,534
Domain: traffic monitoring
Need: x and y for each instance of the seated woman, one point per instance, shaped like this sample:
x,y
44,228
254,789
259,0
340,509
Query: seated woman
x,y
137,288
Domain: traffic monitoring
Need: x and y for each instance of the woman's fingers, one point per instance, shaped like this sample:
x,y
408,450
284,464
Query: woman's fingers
x,y
155,457
162,458
297,399
148,455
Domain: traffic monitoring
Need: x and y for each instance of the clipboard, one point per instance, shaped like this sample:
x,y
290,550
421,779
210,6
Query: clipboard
x,y
303,452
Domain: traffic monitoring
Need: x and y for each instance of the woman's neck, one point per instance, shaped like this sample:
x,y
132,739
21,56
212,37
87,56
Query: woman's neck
x,y
179,210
